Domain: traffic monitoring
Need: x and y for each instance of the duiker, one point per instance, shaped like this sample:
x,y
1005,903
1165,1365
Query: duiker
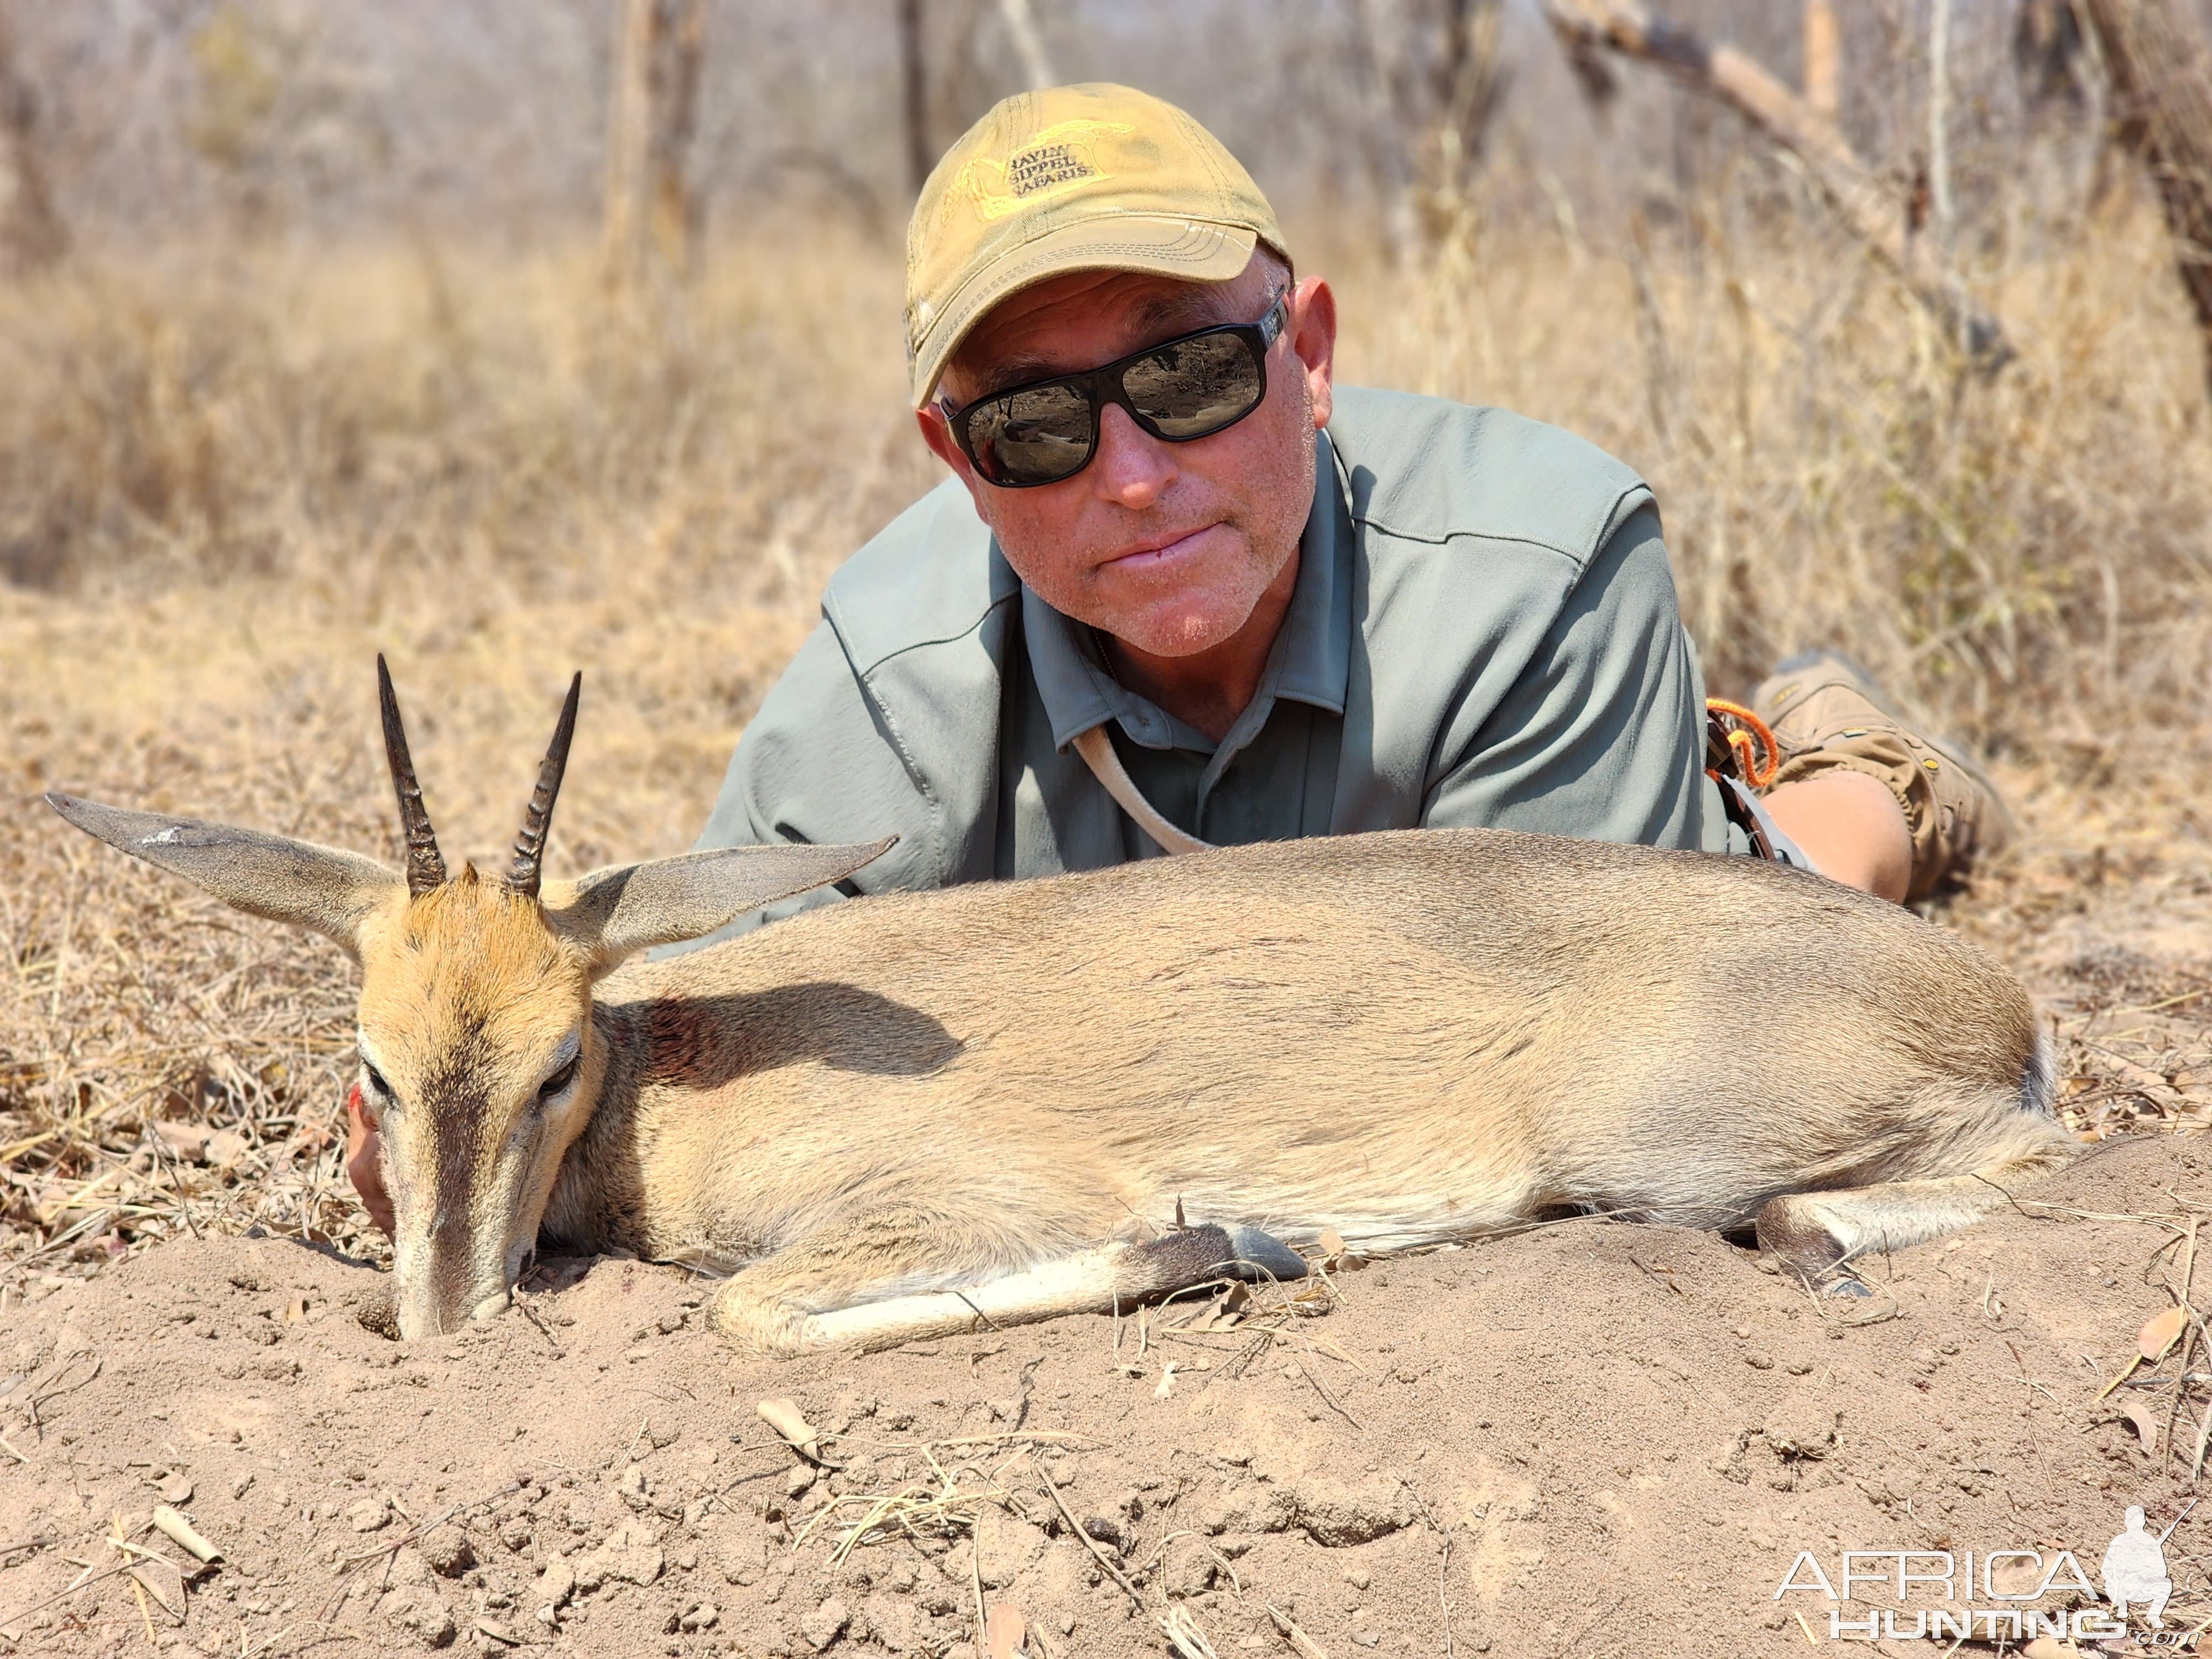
x,y
900,1115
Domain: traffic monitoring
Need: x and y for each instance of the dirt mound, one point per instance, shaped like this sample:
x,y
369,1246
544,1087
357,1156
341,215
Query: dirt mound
x,y
1590,1437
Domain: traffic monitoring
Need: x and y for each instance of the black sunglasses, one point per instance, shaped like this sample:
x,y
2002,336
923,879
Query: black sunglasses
x,y
1191,386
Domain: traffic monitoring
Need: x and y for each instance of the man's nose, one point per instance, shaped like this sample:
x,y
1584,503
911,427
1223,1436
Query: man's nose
x,y
1132,467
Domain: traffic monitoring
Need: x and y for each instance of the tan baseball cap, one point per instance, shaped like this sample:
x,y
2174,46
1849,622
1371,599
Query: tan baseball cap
x,y
1085,178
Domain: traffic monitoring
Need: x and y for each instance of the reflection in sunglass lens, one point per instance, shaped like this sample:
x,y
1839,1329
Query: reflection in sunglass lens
x,y
1195,386
1031,437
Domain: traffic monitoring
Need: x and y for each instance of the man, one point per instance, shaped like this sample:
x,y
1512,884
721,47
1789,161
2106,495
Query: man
x,y
1181,589
1292,610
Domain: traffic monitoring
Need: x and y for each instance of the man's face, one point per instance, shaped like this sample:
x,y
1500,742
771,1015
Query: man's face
x,y
1166,546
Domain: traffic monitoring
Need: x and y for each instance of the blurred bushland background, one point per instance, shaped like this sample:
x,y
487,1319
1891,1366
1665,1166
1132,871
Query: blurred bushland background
x,y
511,339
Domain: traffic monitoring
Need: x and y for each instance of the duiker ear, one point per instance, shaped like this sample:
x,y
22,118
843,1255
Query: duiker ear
x,y
317,887
614,913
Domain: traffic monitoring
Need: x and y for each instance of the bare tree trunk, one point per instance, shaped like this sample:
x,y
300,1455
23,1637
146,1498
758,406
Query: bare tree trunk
x,y
1939,123
2162,75
1381,29
652,213
2046,51
1021,23
1474,82
1823,50
1873,209
31,234
914,94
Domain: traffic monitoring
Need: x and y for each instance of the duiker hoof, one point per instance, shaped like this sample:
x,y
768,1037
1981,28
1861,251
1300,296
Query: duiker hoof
x,y
1262,1255
1193,1255
1796,1241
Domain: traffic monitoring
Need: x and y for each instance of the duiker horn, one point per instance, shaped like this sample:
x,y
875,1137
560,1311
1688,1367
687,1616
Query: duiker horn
x,y
530,845
425,868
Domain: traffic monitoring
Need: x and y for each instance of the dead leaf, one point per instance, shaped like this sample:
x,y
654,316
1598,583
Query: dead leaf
x,y
1004,1631
186,1141
2146,1423
224,1147
2162,1332
178,1527
296,1311
783,1416
1339,1256
174,1488
1167,1381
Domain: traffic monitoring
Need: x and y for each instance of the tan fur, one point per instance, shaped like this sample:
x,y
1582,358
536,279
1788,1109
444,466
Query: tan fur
x,y
900,1115
466,996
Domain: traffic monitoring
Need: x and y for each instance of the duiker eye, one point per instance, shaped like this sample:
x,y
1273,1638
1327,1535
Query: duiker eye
x,y
560,1079
376,1082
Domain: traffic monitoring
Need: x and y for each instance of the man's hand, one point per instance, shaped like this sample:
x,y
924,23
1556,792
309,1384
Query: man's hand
x,y
365,1161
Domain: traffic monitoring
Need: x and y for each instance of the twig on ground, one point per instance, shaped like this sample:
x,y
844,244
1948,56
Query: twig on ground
x,y
351,1565
1654,1274
58,1389
531,1314
976,1577
80,1582
623,1456
1090,1543
1301,1644
2203,1435
2190,1342
1320,1388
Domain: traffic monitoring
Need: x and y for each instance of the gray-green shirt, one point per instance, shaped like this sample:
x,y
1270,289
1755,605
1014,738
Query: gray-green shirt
x,y
1484,632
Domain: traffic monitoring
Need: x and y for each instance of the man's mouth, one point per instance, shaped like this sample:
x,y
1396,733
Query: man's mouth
x,y
1158,553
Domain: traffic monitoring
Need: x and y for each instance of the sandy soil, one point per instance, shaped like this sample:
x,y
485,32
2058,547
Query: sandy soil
x,y
1592,1437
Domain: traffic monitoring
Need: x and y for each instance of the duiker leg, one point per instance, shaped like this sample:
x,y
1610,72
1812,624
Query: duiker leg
x,y
1814,1233
849,1291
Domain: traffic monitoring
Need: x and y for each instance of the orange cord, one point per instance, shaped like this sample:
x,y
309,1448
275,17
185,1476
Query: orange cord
x,y
1749,743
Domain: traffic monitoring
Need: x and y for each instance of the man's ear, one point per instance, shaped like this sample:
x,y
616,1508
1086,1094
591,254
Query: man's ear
x,y
1313,338
320,887
614,914
937,433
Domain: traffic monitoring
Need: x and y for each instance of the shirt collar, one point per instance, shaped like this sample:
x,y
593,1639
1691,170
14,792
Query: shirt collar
x,y
1311,663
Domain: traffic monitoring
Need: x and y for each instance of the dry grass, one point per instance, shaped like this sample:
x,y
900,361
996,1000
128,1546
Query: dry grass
x,y
224,483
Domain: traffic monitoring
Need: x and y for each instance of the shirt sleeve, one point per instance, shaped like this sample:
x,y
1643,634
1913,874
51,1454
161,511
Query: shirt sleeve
x,y
1603,731
817,765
